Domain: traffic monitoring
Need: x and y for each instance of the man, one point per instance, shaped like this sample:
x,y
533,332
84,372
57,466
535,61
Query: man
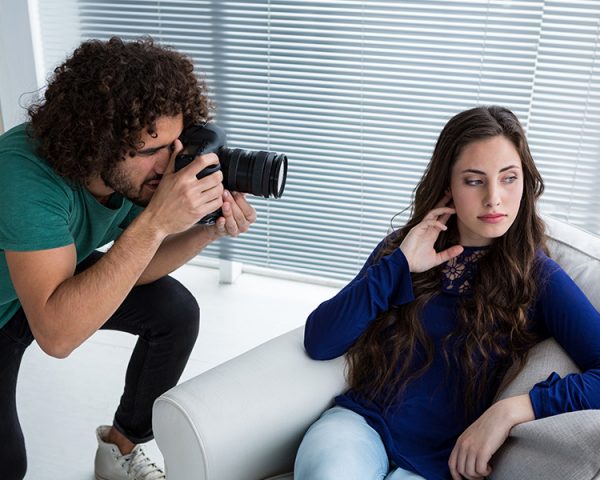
x,y
96,164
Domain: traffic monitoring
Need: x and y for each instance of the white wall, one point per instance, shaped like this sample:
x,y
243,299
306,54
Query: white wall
x,y
17,61
24,60
58,22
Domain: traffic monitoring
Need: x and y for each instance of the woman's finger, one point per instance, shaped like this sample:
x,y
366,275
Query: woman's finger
x,y
461,461
434,224
470,466
444,218
452,465
449,253
437,212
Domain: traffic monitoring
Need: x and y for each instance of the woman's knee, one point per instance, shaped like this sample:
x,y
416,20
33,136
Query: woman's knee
x,y
341,445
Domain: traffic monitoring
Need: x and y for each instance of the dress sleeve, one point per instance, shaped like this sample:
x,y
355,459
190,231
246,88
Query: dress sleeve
x,y
567,315
336,324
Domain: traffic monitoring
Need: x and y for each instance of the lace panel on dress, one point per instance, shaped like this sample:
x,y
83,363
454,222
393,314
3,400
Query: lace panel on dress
x,y
459,272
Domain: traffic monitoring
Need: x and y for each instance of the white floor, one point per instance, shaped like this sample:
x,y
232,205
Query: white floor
x,y
62,401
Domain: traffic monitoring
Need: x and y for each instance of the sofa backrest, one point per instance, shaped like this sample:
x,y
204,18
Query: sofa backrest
x,y
578,253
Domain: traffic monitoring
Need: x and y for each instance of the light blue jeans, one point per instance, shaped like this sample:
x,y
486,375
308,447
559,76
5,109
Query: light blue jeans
x,y
341,444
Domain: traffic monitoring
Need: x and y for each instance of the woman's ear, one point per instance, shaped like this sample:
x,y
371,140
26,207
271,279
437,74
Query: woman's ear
x,y
448,193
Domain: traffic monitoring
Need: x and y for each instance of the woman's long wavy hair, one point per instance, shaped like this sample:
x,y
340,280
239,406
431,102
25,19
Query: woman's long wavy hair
x,y
492,332
99,101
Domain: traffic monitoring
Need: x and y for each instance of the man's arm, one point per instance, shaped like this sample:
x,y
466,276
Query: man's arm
x,y
63,310
177,249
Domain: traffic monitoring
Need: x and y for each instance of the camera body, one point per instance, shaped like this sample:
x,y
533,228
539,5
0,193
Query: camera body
x,y
257,172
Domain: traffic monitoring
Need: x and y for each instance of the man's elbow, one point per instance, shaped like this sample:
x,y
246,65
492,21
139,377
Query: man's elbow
x,y
54,345
56,350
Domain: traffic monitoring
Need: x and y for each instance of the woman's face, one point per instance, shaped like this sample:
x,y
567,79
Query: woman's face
x,y
486,184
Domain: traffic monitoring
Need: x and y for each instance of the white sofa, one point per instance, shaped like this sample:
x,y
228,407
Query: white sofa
x,y
244,419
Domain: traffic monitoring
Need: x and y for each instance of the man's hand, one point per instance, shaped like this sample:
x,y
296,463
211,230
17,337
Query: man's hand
x,y
177,249
471,455
237,217
181,200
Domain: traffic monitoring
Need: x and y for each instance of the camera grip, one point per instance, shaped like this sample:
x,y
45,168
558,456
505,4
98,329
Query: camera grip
x,y
205,172
211,218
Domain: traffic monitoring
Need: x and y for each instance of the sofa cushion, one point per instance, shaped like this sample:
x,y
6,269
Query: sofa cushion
x,y
543,359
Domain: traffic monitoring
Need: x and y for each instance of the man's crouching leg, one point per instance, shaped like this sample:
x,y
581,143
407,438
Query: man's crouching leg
x,y
165,316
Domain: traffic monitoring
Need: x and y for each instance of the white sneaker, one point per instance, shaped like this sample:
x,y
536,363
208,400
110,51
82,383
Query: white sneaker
x,y
111,464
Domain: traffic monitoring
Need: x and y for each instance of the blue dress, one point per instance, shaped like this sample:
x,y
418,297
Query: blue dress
x,y
419,430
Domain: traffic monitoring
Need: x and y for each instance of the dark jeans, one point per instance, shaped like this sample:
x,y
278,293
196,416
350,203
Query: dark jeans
x,y
163,314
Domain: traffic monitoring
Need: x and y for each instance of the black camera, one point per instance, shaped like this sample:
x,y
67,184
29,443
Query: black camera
x,y
256,172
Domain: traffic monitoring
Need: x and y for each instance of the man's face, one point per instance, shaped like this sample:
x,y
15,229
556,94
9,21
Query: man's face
x,y
137,177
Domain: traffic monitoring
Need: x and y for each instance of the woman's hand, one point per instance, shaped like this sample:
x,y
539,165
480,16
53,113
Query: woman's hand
x,y
471,455
417,246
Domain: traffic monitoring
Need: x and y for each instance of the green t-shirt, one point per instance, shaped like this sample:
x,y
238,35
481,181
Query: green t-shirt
x,y
40,210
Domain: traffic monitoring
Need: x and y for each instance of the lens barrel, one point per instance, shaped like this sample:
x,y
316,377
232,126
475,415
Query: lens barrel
x,y
257,172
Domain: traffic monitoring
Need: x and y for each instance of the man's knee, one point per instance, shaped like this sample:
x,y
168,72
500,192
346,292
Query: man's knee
x,y
174,308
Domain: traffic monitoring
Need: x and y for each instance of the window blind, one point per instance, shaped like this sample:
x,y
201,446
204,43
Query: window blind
x,y
356,93
564,124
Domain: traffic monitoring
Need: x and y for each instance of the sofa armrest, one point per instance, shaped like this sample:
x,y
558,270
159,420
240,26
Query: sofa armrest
x,y
562,446
247,415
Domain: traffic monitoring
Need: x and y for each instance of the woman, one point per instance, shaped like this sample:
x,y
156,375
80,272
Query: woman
x,y
439,312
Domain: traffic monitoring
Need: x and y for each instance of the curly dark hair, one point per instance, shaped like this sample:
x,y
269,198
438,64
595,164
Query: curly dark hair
x,y
101,98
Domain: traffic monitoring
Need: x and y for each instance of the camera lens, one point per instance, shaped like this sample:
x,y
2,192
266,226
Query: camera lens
x,y
277,179
256,172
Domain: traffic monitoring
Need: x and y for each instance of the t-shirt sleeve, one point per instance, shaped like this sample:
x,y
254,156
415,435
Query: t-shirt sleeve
x,y
35,207
338,322
568,316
